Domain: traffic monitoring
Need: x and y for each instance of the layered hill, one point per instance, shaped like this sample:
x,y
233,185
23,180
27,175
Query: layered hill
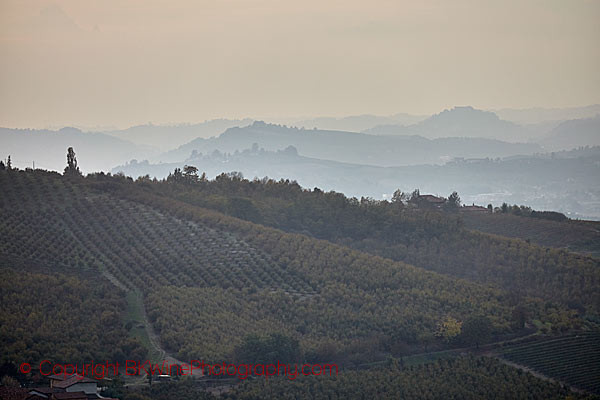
x,y
480,181
572,133
350,147
167,137
459,122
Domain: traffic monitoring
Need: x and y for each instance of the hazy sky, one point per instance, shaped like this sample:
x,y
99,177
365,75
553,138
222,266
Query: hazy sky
x,y
123,62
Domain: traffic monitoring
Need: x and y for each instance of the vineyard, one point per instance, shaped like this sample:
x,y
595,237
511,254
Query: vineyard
x,y
574,359
435,241
260,279
206,281
460,378
55,227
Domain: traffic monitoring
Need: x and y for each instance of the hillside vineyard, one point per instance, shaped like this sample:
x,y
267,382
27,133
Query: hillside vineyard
x,y
215,265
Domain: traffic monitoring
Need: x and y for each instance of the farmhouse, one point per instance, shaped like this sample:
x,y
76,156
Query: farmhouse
x,y
430,201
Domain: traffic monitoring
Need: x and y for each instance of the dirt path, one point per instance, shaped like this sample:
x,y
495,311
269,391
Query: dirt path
x,y
163,357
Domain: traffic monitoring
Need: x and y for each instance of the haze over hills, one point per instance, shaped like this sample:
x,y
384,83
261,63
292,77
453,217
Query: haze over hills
x,y
356,164
530,180
355,123
538,115
167,137
578,132
97,151
351,147
459,122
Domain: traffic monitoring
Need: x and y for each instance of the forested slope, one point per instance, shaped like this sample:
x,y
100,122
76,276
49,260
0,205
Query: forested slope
x,y
431,240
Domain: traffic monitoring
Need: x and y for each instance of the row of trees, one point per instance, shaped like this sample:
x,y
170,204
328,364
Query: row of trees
x,y
432,240
461,378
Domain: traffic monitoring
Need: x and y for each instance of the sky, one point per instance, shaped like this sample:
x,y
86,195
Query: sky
x,y
99,63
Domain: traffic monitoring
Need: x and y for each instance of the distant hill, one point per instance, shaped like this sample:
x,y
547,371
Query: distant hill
x,y
481,180
358,123
166,137
459,122
350,147
539,115
573,133
95,151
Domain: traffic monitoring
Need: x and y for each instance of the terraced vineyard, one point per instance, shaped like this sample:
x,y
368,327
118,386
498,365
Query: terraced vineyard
x,y
58,228
574,359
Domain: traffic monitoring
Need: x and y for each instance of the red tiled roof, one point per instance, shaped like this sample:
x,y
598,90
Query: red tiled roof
x,y
432,199
75,379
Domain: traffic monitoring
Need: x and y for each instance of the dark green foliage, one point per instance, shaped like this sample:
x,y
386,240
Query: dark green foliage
x,y
271,349
62,319
476,330
526,211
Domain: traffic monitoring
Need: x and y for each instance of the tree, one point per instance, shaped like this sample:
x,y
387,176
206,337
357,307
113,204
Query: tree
x,y
519,316
190,173
71,167
2,166
414,196
8,163
453,201
449,329
175,176
398,196
504,208
476,330
426,338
